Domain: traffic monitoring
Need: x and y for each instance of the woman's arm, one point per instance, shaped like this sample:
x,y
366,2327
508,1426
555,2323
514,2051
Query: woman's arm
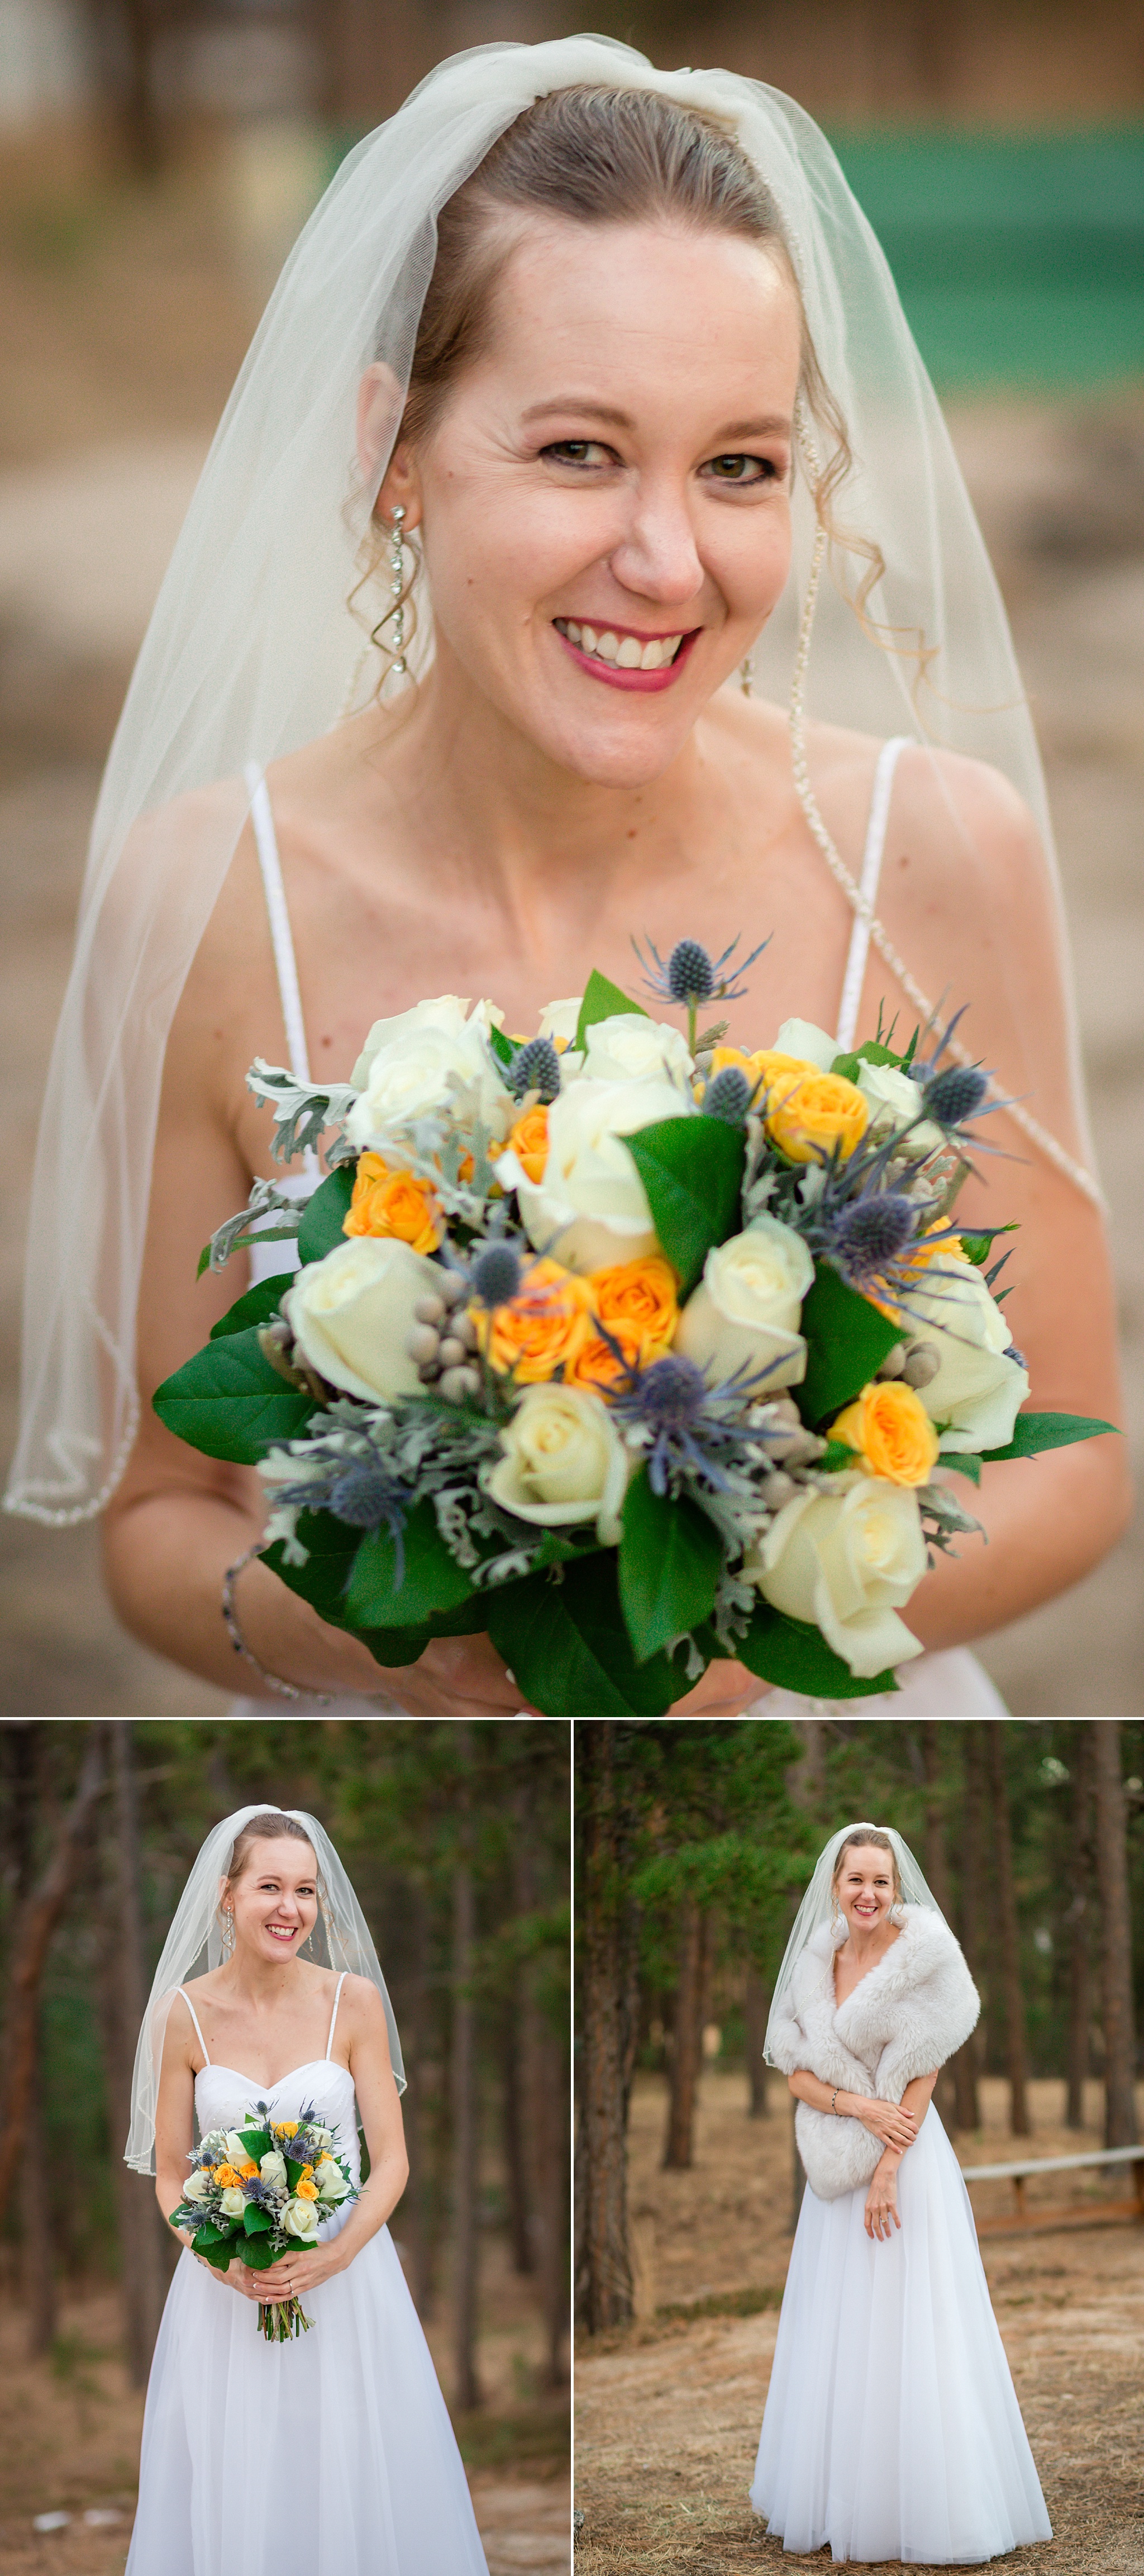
x,y
379,2105
892,2121
882,2197
174,2136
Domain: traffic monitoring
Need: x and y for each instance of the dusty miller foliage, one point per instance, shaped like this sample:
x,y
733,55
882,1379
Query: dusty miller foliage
x,y
417,1451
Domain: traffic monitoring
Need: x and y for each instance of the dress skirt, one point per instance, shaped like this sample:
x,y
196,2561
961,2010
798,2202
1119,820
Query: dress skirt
x,y
332,2454
892,2429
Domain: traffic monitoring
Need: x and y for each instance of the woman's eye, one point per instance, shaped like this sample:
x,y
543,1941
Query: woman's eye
x,y
742,469
577,451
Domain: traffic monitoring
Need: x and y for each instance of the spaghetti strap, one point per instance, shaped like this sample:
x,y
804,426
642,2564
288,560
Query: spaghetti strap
x,y
854,977
334,2014
266,838
194,2017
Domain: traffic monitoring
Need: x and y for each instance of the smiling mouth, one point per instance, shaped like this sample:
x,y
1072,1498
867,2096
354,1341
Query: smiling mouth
x,y
620,652
279,1932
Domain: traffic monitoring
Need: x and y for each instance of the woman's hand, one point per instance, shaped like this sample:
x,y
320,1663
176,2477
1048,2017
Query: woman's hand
x,y
881,2212
237,2276
889,2121
293,2274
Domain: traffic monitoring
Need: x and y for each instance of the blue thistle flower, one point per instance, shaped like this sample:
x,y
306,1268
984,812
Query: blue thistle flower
x,y
535,1067
955,1094
692,975
870,1234
728,1096
496,1273
694,1430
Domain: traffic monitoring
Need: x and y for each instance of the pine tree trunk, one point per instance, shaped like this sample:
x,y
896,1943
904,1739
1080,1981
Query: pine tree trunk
x,y
543,2119
39,1919
1078,1917
603,2260
756,2009
1009,1931
420,2202
514,2115
1120,2129
967,2109
937,1873
37,2263
687,2051
465,2388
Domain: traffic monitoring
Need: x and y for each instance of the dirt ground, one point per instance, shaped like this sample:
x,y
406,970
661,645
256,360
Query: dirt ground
x,y
79,2425
123,317
668,2412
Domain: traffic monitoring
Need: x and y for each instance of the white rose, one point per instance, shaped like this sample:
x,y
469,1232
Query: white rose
x,y
234,2148
300,2219
197,2188
632,1048
564,1462
590,1209
810,1044
895,1102
273,2170
321,2137
847,1564
332,2185
561,1020
352,1313
429,1058
233,2202
745,1311
977,1391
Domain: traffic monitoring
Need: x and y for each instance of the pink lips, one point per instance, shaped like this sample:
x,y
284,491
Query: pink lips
x,y
643,682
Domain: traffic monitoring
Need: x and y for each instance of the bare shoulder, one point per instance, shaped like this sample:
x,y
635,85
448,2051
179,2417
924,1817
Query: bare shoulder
x,y
367,2019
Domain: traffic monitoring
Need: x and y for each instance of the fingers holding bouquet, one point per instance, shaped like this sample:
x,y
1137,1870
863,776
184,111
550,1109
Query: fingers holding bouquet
x,y
615,1357
255,2201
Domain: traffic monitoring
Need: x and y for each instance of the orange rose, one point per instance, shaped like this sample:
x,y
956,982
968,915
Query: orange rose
x,y
595,1363
542,1327
889,1427
248,2171
396,1203
816,1113
304,2190
919,1258
528,1140
226,2177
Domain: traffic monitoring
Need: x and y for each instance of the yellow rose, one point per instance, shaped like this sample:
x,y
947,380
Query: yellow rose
x,y
889,1426
396,1203
818,1112
248,2170
540,1329
286,2129
306,2188
640,1294
528,1140
226,2176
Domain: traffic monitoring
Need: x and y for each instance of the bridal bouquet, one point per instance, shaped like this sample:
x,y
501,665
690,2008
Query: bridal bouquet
x,y
632,1348
259,2192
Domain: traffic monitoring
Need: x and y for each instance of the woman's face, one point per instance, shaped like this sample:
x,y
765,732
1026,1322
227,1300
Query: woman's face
x,y
275,1899
865,1886
605,499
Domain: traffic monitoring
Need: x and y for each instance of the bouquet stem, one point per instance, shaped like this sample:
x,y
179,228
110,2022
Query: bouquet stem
x,y
281,2318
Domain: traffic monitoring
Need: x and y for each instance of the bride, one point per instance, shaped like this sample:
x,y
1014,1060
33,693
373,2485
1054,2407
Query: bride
x,y
627,371
891,2428
334,2450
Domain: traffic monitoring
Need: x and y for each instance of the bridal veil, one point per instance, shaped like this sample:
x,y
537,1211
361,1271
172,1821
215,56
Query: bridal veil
x,y
251,649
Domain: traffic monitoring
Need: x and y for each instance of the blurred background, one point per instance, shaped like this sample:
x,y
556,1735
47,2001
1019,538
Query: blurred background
x,y
456,1839
695,1842
157,158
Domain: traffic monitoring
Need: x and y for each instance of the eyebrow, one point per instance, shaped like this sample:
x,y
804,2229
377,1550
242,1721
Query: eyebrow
x,y
772,425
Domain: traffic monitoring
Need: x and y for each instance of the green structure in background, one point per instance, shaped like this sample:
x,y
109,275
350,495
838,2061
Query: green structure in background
x,y
1019,258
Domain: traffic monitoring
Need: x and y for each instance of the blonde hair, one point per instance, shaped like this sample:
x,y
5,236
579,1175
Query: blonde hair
x,y
270,1827
598,156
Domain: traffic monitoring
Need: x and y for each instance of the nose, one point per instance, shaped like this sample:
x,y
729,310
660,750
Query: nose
x,y
657,557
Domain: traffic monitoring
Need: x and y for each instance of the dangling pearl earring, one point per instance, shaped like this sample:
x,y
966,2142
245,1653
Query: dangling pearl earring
x,y
397,585
747,674
227,1931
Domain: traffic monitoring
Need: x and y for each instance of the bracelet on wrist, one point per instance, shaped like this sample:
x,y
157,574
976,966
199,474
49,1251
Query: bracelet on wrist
x,y
834,2099
285,1689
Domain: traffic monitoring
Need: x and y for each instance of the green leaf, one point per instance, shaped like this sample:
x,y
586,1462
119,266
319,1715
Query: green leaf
x,y
257,2143
570,1650
692,1172
1033,1432
602,1001
256,1307
837,1454
794,1655
256,2252
431,1579
977,1247
230,1403
502,1047
215,2248
870,1052
324,1579
321,1227
671,1558
255,2219
847,1341
964,1462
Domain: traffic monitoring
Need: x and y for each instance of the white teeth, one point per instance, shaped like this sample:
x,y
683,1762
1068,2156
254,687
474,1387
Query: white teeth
x,y
654,655
572,632
588,638
627,653
630,654
608,646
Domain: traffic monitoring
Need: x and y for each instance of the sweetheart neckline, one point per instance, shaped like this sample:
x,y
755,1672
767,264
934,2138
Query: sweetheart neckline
x,y
215,2066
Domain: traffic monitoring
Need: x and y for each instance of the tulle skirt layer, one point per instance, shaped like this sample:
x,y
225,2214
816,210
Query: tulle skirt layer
x,y
892,2429
333,2454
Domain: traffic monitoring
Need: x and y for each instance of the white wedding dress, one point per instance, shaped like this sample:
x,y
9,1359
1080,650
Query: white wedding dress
x,y
333,2453
892,2429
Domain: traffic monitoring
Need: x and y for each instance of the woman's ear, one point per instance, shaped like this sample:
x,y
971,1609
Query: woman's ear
x,y
379,407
